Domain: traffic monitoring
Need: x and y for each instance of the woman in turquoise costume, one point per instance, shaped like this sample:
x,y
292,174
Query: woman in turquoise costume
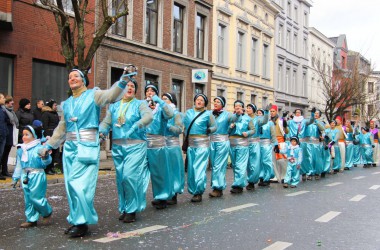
x,y
173,129
241,129
80,120
348,130
253,168
162,184
366,142
331,138
220,147
198,150
30,168
128,119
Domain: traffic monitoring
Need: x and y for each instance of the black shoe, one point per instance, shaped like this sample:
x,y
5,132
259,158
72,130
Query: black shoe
x,y
346,168
50,172
373,165
323,175
162,204
78,230
129,218
355,166
172,201
304,177
336,171
236,190
250,186
196,198
2,178
155,202
122,216
6,174
68,229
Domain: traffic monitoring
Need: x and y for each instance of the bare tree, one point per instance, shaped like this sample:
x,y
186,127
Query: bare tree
x,y
78,45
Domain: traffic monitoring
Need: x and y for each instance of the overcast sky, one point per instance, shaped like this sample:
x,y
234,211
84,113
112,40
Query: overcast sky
x,y
358,20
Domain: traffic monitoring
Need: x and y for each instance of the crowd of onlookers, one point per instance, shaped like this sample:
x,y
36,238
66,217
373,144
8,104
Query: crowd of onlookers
x,y
11,124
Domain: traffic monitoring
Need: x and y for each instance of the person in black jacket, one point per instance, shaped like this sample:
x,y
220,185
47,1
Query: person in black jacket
x,y
3,128
37,111
24,115
50,120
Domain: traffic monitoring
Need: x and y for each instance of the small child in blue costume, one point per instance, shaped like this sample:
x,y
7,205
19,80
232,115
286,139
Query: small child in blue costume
x,y
294,156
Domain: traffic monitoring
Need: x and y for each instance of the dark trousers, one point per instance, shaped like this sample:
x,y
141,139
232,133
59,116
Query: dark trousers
x,y
2,146
4,159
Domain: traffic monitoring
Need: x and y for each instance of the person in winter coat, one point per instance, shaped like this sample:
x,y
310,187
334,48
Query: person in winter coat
x,y
3,127
24,115
37,111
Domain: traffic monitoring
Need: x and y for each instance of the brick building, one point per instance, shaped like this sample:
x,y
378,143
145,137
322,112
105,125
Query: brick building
x,y
166,40
31,64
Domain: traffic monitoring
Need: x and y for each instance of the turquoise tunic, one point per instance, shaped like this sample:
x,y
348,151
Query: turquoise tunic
x,y
333,135
292,176
198,150
366,150
267,141
349,149
129,153
35,191
314,148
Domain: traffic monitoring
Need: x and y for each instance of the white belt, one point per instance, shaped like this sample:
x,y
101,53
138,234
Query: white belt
x,y
219,138
33,170
265,141
253,139
155,141
126,141
172,141
239,142
199,142
87,135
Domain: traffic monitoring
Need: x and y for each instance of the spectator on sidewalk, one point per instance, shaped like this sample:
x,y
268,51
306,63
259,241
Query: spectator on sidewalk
x,y
10,142
3,128
37,111
24,115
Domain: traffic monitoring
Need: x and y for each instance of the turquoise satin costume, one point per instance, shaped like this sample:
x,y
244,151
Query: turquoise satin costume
x,y
333,135
173,129
162,183
349,149
198,151
366,150
129,152
81,177
254,156
239,149
267,141
299,129
35,191
219,150
356,154
314,148
292,176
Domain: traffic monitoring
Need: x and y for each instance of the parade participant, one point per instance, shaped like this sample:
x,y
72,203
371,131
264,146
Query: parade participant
x,y
81,151
37,111
280,128
220,147
331,137
294,156
128,119
174,161
254,157
314,134
365,139
24,115
341,142
347,128
241,129
30,168
375,133
268,144
160,174
199,123
356,148
297,127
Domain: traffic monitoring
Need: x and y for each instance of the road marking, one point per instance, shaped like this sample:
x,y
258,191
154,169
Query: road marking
x,y
328,216
333,184
297,193
358,197
358,178
376,173
374,187
138,232
278,245
231,209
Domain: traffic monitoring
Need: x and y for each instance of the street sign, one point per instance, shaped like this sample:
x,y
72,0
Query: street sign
x,y
199,75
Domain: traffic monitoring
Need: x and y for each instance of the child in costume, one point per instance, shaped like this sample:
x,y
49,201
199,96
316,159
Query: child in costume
x,y
294,156
30,168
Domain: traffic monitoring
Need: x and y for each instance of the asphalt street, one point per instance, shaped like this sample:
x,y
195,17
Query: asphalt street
x,y
338,212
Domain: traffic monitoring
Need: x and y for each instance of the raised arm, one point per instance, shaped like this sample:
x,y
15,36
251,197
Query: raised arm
x,y
167,110
103,97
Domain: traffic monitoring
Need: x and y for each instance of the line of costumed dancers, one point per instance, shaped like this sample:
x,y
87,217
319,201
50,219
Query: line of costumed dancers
x,y
261,146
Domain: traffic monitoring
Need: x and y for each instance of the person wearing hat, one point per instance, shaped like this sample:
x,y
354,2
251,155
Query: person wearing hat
x,y
331,142
375,133
294,156
348,130
281,129
162,184
365,139
174,160
128,119
254,157
357,159
202,124
313,134
81,150
268,145
24,115
241,129
220,147
341,142
297,127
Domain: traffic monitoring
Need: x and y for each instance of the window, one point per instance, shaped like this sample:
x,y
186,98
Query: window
x,y
287,80
288,39
295,14
305,19
294,88
120,27
253,98
289,10
266,17
6,73
240,49
239,96
266,60
200,22
370,87
304,84
220,92
198,88
151,22
279,77
255,9
177,89
295,43
221,44
280,34
178,28
265,101
45,73
305,47
370,109
254,56
343,64
150,78
67,5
